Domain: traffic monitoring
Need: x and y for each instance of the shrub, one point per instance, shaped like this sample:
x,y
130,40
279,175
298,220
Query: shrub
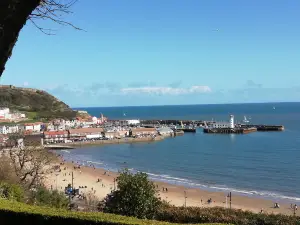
x,y
44,197
19,213
11,192
136,196
222,215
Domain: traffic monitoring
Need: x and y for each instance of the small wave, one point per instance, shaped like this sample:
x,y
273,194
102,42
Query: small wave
x,y
192,184
189,183
98,163
66,151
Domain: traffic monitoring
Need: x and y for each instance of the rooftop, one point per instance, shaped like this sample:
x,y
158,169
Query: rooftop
x,y
85,130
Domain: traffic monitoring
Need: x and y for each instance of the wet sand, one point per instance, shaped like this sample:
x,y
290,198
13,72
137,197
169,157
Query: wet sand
x,y
176,195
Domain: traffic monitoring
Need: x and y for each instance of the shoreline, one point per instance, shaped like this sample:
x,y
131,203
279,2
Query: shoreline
x,y
177,195
174,180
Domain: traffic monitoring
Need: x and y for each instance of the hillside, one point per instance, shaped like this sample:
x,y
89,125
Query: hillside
x,y
37,103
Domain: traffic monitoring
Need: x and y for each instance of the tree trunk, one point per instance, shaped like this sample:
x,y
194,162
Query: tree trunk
x,y
13,16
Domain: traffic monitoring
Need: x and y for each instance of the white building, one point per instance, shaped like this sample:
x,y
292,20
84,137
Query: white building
x,y
35,127
9,129
133,122
4,113
165,131
231,121
220,125
229,124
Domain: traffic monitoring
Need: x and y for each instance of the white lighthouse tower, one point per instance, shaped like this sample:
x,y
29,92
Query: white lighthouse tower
x,y
231,122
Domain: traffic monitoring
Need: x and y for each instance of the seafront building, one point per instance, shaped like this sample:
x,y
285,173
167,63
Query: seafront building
x,y
55,136
85,133
217,125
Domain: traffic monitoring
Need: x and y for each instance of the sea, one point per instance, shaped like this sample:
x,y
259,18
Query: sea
x,y
260,164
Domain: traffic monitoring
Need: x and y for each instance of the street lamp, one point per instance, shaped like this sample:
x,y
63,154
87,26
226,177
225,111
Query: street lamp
x,y
229,196
185,198
56,180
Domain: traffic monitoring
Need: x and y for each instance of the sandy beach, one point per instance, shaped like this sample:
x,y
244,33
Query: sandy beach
x,y
87,177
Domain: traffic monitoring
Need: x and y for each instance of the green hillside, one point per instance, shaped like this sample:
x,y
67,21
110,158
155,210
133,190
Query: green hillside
x,y
36,103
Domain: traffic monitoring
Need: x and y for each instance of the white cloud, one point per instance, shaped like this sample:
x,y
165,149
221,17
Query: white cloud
x,y
166,90
200,89
25,84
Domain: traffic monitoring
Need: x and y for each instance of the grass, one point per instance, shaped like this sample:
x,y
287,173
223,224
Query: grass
x,y
12,212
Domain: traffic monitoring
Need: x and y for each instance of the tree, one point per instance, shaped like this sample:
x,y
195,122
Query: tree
x,y
26,165
14,15
136,196
44,197
30,164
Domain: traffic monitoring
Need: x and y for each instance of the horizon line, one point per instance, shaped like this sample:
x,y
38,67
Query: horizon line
x,y
235,103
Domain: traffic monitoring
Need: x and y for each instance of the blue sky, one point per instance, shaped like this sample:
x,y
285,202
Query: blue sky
x,y
142,52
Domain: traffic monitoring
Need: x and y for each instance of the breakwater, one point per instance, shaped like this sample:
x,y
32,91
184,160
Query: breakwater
x,y
229,130
265,127
155,123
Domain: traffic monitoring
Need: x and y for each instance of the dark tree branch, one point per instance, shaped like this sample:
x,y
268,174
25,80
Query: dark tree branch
x,y
15,13
53,10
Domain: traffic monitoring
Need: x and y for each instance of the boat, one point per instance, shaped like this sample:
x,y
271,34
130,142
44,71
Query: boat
x,y
274,107
245,120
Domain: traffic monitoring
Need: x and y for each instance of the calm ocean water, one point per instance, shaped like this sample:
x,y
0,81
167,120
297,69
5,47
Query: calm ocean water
x,y
265,164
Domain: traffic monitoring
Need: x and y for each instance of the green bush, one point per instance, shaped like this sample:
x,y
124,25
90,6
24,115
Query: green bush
x,y
20,213
11,191
136,196
44,197
222,215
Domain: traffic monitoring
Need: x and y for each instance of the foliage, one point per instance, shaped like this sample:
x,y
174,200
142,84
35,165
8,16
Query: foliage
x,y
44,197
35,103
20,213
135,196
11,191
221,215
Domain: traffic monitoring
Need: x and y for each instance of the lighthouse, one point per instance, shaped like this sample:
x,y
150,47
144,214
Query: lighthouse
x,y
231,122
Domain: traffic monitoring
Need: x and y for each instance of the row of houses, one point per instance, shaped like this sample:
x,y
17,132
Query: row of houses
x,y
6,115
60,124
94,133
27,127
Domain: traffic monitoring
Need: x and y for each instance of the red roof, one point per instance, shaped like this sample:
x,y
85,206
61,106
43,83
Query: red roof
x,y
33,124
86,130
55,132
